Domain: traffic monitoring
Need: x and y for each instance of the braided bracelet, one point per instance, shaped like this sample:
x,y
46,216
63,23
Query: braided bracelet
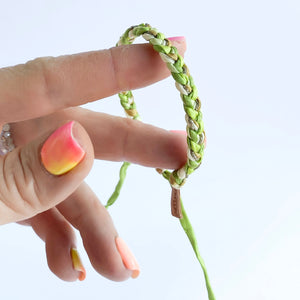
x,y
195,130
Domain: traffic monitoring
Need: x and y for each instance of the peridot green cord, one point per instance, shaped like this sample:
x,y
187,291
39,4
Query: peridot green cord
x,y
118,187
195,130
187,227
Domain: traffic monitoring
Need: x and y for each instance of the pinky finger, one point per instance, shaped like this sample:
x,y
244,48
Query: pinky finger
x,y
62,256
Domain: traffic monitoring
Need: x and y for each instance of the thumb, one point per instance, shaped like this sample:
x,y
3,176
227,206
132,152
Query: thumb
x,y
43,173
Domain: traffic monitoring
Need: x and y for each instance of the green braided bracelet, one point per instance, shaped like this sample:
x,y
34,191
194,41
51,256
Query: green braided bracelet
x,y
195,130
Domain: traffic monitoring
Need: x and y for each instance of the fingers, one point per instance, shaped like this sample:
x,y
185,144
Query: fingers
x,y
117,139
123,139
107,252
60,239
45,85
44,172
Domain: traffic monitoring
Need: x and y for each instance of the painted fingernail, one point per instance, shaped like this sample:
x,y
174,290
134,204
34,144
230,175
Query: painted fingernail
x,y
182,132
128,258
176,38
61,152
77,264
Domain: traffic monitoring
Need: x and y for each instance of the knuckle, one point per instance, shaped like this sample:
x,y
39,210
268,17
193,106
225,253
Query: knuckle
x,y
42,72
128,127
18,188
116,55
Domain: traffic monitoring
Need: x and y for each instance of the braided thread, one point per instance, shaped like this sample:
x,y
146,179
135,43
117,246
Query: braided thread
x,y
188,93
195,131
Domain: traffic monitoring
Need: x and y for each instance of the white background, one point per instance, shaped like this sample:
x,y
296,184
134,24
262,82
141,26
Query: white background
x,y
244,199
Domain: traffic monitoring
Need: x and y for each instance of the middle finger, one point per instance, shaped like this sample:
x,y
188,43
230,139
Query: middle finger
x,y
115,138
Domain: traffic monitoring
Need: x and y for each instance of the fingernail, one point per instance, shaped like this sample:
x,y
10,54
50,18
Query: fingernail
x,y
61,152
182,132
176,38
128,258
77,264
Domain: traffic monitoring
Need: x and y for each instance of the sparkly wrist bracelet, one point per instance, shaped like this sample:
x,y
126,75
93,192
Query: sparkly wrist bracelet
x,y
195,130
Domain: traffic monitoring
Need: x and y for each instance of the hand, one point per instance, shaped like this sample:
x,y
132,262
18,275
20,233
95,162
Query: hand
x,y
42,95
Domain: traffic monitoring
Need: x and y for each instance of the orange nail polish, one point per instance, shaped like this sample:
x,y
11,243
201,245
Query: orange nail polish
x,y
128,258
77,264
61,151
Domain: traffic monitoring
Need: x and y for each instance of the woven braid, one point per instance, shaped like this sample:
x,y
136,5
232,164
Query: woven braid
x,y
188,92
195,131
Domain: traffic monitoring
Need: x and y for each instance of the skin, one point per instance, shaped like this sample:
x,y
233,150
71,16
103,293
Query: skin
x,y
41,95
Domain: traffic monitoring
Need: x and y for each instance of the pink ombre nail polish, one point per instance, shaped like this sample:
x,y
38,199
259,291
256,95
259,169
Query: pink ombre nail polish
x,y
61,152
182,132
176,38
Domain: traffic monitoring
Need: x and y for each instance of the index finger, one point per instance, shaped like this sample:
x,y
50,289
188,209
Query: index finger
x,y
44,85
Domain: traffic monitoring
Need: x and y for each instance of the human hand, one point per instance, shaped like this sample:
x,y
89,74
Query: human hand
x,y
40,96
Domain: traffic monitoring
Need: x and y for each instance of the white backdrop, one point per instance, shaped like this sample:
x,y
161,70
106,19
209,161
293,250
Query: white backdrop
x,y
244,199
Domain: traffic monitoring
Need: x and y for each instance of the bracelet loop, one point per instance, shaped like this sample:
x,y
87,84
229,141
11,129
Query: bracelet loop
x,y
191,103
